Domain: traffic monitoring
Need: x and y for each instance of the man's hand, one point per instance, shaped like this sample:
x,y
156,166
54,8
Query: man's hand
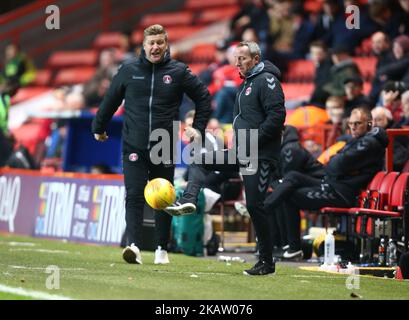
x,y
101,136
193,134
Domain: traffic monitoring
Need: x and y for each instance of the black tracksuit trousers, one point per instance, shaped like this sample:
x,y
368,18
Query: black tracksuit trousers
x,y
302,192
255,186
136,175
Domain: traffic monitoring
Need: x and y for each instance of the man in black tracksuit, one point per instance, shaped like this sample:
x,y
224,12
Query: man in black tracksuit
x,y
293,157
349,171
259,105
152,87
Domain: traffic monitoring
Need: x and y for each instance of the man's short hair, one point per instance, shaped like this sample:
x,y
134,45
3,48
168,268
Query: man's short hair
x,y
253,48
337,99
154,30
363,110
319,44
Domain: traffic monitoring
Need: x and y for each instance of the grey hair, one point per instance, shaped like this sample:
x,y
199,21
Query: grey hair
x,y
253,48
386,112
405,97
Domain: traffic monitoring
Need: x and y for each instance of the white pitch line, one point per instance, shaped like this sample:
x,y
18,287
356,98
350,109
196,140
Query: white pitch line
x,y
41,268
31,293
40,250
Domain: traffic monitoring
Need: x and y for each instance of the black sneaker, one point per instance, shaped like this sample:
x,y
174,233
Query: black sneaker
x,y
261,268
181,208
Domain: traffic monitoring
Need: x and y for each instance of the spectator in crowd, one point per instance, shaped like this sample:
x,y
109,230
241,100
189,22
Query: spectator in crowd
x,y
354,96
259,105
290,33
382,49
96,88
7,90
404,120
323,63
253,14
219,60
397,67
382,118
153,86
344,67
391,98
346,174
224,86
18,66
403,17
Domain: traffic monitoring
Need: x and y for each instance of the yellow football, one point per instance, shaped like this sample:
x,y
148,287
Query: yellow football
x,y
159,193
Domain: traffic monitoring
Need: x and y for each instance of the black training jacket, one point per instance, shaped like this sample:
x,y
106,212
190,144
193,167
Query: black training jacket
x,y
260,105
153,94
353,167
294,156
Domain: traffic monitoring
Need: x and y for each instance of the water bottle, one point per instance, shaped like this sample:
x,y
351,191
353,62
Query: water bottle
x,y
391,260
381,252
329,249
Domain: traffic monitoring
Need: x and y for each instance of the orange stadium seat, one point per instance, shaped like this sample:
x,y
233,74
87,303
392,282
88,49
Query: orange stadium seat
x,y
167,19
217,14
72,76
200,4
75,58
300,71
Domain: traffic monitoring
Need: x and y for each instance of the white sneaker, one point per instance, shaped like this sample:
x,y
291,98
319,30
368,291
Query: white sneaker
x,y
241,209
161,256
293,255
132,254
180,209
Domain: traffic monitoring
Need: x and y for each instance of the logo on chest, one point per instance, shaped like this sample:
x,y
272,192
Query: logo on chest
x,y
167,79
248,91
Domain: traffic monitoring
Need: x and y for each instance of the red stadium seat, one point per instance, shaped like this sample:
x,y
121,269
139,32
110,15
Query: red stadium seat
x,y
26,93
294,91
202,53
217,14
365,48
196,68
42,78
174,33
108,40
72,76
201,5
77,58
167,19
300,71
367,66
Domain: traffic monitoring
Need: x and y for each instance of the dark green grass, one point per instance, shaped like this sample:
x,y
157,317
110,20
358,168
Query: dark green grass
x,y
97,272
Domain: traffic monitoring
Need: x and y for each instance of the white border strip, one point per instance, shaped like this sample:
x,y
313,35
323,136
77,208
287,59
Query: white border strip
x,y
31,293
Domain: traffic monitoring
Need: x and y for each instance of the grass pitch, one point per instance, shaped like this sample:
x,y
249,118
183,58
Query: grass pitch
x,y
98,272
